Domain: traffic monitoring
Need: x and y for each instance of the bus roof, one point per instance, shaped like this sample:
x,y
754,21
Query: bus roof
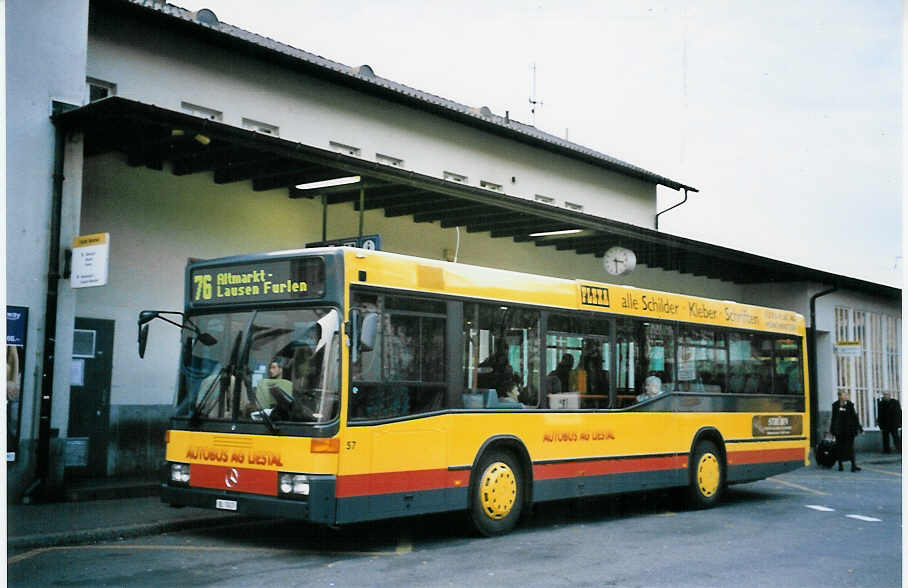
x,y
403,272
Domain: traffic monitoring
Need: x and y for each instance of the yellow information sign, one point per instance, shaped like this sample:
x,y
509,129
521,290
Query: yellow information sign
x,y
91,257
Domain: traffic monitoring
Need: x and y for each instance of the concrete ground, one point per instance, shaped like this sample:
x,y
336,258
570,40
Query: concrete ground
x,y
125,511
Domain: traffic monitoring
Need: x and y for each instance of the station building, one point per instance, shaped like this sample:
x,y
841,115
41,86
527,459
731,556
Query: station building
x,y
166,136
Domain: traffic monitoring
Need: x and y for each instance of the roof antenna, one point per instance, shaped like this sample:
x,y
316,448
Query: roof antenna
x,y
533,100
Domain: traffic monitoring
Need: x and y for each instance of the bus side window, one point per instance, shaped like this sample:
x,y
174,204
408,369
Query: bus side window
x,y
405,373
703,360
646,360
501,353
584,343
750,363
789,377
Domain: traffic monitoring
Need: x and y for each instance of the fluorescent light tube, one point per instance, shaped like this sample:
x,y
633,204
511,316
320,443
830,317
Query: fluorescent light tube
x,y
328,183
550,233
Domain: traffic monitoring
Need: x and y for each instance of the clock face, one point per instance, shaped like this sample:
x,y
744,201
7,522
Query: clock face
x,y
619,261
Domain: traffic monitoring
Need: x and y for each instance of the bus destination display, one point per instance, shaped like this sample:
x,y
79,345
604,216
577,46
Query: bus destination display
x,y
266,281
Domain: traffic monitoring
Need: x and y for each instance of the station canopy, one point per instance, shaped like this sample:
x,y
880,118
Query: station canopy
x,y
149,136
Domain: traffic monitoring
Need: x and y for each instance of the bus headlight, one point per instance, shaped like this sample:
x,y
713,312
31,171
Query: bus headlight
x,y
179,473
293,485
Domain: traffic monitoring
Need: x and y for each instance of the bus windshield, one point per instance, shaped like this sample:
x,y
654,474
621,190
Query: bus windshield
x,y
267,366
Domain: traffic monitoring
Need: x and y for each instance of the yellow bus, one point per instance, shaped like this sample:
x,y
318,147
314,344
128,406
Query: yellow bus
x,y
337,385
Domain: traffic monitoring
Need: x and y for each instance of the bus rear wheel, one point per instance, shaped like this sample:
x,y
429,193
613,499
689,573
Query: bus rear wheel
x,y
707,476
497,493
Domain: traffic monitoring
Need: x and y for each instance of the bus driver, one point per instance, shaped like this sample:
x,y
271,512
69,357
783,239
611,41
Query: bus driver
x,y
275,380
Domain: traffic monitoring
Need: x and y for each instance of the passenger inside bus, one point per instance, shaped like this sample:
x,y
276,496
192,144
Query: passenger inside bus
x,y
496,373
558,380
273,391
563,371
652,387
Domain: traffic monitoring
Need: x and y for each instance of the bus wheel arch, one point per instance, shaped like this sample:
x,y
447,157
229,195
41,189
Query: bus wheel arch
x,y
707,469
500,485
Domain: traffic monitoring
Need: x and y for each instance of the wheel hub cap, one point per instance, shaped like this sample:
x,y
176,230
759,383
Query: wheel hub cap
x,y
497,490
708,474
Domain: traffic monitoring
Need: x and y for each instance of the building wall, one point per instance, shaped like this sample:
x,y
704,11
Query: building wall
x,y
45,45
788,295
827,372
161,67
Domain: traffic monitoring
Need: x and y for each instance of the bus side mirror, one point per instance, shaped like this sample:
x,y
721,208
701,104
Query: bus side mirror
x,y
143,339
363,330
145,317
187,351
368,331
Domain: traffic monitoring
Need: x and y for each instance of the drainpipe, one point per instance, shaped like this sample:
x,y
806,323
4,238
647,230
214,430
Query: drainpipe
x,y
812,360
50,310
42,459
658,214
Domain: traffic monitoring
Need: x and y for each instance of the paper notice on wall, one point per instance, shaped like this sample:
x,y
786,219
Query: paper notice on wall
x,y
849,349
91,255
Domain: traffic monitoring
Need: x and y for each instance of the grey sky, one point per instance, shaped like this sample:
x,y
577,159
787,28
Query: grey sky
x,y
786,115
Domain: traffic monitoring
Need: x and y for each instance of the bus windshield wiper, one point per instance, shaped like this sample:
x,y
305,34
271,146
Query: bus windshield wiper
x,y
197,409
219,382
246,374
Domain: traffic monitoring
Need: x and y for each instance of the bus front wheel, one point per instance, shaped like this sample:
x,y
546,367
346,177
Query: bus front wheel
x,y
707,476
497,493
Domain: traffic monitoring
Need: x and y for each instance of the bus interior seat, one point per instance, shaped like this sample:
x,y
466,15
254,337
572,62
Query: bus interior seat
x,y
491,400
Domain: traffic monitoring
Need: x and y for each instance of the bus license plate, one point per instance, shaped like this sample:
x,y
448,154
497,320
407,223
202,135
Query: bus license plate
x,y
225,504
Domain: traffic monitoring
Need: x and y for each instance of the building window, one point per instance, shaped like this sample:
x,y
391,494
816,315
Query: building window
x,y
260,127
388,160
573,206
98,89
490,185
876,369
345,149
544,199
452,177
84,343
201,111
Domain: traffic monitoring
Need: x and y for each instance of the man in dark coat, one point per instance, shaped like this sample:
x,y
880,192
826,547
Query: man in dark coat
x,y
889,419
845,426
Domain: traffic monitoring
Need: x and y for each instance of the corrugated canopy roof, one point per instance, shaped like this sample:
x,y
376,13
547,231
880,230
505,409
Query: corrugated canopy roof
x,y
150,135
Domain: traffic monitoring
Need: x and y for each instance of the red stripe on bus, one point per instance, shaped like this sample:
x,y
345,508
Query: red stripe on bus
x,y
391,482
765,456
223,478
437,479
573,469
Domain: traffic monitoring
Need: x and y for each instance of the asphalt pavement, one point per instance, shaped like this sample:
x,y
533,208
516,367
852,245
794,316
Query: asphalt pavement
x,y
84,521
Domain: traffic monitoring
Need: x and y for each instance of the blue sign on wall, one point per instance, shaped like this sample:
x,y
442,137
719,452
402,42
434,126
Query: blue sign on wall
x,y
16,329
16,325
372,242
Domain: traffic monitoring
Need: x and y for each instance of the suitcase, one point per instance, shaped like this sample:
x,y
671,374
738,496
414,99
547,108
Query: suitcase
x,y
826,453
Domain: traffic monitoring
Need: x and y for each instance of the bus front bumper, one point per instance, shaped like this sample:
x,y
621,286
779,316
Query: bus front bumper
x,y
318,507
